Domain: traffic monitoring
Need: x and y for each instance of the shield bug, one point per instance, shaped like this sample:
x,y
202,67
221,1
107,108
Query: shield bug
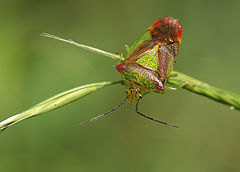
x,y
149,63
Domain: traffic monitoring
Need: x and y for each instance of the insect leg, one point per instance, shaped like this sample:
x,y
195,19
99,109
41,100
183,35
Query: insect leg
x,y
170,88
100,116
172,75
127,48
148,117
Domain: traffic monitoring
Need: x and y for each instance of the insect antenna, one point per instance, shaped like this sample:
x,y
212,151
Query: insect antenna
x,y
156,120
100,116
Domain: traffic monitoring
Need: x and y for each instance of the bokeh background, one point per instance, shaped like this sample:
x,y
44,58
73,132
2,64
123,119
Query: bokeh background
x,y
33,68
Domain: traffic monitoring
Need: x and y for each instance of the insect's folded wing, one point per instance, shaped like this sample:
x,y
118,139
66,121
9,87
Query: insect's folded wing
x,y
166,30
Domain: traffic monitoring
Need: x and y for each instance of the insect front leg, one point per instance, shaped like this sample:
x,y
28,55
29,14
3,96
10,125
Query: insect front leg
x,y
133,95
170,88
127,48
179,86
172,75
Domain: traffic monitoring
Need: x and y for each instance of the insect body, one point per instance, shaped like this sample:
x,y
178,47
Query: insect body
x,y
147,68
149,64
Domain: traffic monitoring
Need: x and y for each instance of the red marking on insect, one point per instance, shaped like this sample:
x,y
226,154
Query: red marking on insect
x,y
160,86
121,67
166,28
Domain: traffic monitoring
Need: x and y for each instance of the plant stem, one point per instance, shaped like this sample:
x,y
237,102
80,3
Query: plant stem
x,y
201,88
86,47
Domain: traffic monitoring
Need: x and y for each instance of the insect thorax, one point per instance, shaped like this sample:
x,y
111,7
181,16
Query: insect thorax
x,y
141,80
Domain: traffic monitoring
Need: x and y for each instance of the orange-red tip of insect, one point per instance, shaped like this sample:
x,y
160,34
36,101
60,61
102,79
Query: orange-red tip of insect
x,y
174,24
179,33
121,67
156,23
168,20
172,21
166,28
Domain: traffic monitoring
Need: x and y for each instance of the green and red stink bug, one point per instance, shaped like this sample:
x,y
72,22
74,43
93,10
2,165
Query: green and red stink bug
x,y
149,64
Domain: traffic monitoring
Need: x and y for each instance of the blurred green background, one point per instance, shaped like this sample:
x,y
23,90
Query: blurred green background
x,y
33,68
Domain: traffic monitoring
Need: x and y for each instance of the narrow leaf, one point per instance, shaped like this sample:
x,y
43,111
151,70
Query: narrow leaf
x,y
55,102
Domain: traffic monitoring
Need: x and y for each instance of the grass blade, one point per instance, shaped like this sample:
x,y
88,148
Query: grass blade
x,y
55,102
